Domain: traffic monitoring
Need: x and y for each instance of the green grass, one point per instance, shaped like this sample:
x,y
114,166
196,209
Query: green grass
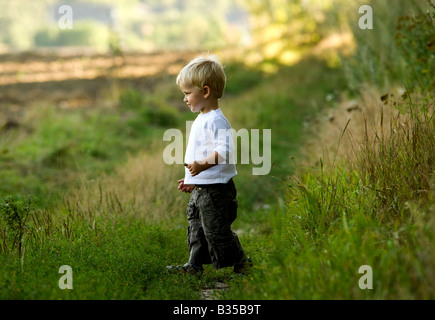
x,y
51,146
117,247
112,260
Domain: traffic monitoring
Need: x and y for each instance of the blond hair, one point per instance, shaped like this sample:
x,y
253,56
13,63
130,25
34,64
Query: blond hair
x,y
204,71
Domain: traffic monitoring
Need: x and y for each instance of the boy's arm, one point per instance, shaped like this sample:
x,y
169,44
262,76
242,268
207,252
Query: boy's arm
x,y
197,167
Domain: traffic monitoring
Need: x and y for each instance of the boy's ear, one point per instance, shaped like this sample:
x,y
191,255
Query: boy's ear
x,y
207,92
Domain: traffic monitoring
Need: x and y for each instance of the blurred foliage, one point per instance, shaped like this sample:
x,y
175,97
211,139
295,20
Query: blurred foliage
x,y
282,30
139,24
415,36
19,21
148,110
397,51
284,23
378,59
84,33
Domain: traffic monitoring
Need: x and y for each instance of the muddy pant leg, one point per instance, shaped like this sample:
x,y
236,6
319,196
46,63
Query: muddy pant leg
x,y
218,210
198,246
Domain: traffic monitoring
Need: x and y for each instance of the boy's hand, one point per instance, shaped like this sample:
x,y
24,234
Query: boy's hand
x,y
188,188
195,168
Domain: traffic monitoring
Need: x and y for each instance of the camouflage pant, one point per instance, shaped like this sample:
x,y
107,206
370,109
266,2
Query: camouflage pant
x,y
210,212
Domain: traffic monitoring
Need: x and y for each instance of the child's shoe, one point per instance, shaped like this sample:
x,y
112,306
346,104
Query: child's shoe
x,y
186,268
244,266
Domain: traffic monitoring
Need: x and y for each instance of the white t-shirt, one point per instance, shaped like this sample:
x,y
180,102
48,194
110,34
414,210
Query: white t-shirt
x,y
211,132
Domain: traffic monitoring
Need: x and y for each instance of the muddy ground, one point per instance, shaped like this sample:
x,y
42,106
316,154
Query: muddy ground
x,y
72,80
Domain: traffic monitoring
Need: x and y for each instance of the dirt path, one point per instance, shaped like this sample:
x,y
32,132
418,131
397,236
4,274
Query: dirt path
x,y
79,80
208,293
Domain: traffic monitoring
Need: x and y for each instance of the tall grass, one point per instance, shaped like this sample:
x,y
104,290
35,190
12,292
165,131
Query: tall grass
x,y
365,193
397,163
144,188
374,207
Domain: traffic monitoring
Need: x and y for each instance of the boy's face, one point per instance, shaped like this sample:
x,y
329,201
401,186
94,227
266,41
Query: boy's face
x,y
193,97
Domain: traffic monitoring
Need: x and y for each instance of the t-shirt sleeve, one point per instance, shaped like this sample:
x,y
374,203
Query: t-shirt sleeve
x,y
223,138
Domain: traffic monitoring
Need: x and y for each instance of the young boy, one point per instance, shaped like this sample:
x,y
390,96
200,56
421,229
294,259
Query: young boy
x,y
209,170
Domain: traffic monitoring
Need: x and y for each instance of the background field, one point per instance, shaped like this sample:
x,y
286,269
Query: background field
x,y
83,182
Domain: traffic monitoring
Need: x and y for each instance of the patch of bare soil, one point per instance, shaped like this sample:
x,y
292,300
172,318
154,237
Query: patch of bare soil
x,y
79,80
209,293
